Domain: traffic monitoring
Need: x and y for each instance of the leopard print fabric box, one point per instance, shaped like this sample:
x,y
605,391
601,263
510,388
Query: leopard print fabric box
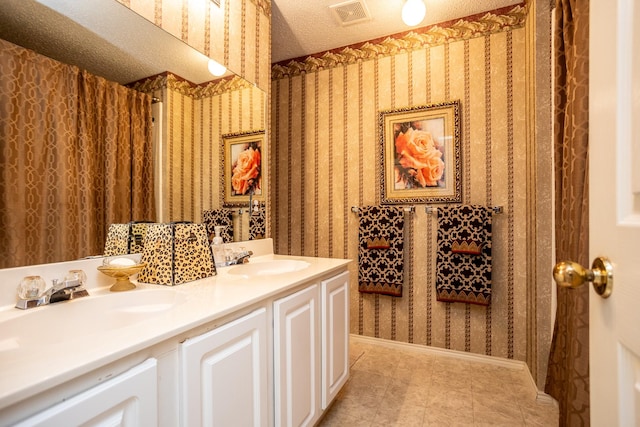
x,y
137,234
117,240
176,253
125,238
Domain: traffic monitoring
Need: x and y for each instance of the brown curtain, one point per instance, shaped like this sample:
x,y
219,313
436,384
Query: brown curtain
x,y
75,156
568,374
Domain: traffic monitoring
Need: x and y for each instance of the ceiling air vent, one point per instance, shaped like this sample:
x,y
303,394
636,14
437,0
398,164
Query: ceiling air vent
x,y
350,12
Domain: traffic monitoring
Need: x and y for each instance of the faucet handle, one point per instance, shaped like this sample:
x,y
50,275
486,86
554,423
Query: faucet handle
x,y
31,287
75,278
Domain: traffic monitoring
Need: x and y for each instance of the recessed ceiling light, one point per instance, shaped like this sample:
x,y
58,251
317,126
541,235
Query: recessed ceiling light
x,y
216,68
413,12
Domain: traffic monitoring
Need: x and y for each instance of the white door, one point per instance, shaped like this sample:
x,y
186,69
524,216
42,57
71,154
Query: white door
x,y
614,152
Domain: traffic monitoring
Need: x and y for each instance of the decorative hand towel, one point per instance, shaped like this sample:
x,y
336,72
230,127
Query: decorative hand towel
x,y
222,217
380,256
256,224
463,272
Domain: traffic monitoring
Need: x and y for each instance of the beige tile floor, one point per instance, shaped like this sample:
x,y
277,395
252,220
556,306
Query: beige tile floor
x,y
406,387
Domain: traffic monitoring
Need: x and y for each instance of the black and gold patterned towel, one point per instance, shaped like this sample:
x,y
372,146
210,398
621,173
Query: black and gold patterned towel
x,y
463,272
256,224
222,217
380,251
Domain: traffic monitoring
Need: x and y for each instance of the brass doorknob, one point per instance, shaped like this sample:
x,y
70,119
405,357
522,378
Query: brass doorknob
x,y
569,274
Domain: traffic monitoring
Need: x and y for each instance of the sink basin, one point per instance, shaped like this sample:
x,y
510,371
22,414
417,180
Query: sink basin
x,y
269,268
82,317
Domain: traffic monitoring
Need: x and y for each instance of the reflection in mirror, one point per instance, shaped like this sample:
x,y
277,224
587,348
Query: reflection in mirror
x,y
101,36
125,239
192,114
193,119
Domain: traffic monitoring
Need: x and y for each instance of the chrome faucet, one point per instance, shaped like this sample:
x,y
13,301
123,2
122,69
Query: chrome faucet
x,y
239,257
60,290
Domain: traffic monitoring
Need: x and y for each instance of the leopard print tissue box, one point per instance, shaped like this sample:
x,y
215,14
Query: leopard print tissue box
x,y
176,253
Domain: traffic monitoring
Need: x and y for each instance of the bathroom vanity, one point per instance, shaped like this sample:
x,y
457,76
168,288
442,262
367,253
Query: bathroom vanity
x,y
264,343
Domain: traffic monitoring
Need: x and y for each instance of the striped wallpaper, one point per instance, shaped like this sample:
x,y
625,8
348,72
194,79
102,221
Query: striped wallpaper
x,y
235,33
194,120
325,142
323,146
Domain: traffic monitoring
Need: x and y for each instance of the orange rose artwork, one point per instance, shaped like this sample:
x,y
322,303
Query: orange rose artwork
x,y
418,157
245,170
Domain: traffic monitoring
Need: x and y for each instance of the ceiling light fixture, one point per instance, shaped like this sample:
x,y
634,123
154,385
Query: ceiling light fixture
x,y
413,12
216,68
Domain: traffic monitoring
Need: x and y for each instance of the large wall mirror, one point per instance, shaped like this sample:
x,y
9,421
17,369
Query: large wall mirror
x,y
195,108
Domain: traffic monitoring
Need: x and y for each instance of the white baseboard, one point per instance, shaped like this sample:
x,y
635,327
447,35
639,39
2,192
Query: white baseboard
x,y
544,398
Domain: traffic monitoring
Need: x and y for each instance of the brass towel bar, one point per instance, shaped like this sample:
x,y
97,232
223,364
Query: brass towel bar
x,y
433,209
410,209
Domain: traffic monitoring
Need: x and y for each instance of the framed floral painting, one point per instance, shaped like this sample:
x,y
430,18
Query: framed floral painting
x,y
242,168
420,150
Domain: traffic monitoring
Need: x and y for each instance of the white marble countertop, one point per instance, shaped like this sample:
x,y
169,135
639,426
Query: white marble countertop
x,y
26,370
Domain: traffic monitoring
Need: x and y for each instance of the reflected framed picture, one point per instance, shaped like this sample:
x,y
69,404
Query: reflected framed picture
x,y
420,154
242,168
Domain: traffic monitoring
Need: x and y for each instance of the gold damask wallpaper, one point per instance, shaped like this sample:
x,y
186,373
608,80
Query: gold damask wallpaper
x,y
324,123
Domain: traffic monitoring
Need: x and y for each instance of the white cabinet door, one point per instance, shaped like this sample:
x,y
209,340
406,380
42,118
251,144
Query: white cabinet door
x,y
296,358
335,336
130,399
224,381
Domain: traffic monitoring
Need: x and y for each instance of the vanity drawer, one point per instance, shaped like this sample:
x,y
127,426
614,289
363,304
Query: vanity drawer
x,y
129,399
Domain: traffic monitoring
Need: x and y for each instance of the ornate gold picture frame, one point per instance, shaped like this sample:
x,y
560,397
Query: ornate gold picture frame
x,y
420,154
242,162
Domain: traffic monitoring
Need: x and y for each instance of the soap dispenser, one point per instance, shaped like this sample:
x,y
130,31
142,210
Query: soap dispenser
x,y
217,247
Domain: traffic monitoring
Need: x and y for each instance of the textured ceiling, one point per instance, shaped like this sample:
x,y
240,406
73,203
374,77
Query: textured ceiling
x,y
101,36
303,27
108,39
